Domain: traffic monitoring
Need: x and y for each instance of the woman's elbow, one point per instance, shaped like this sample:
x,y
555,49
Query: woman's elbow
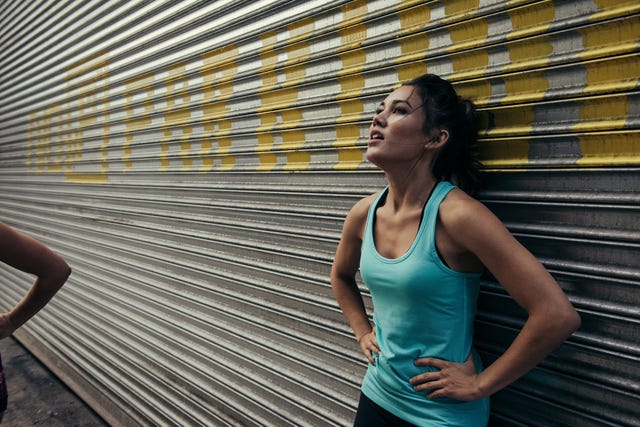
x,y
557,320
574,321
60,270
569,321
66,271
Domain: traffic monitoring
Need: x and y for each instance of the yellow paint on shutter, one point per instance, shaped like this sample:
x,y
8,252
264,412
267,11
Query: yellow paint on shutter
x,y
414,46
603,149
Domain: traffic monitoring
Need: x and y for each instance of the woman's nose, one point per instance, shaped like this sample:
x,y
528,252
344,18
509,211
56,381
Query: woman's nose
x,y
379,119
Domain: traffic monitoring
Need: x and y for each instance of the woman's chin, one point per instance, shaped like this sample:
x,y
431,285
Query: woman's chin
x,y
372,158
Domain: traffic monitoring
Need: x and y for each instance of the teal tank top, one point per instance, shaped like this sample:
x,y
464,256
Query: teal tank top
x,y
421,308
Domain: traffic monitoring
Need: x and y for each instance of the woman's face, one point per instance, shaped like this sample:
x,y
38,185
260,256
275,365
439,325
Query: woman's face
x,y
396,134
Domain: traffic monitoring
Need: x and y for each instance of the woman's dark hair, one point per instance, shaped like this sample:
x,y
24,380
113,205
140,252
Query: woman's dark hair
x,y
444,109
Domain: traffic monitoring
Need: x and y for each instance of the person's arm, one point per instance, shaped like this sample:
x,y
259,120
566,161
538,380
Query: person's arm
x,y
551,317
31,256
343,278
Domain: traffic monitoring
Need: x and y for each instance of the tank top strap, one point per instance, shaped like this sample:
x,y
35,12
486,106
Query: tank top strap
x,y
430,214
438,195
372,212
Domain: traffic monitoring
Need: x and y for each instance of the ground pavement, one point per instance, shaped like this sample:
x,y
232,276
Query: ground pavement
x,y
37,397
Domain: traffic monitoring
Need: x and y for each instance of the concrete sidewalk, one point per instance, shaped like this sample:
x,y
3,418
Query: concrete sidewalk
x,y
36,396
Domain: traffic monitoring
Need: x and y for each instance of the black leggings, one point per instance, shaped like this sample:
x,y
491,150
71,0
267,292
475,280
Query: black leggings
x,y
371,414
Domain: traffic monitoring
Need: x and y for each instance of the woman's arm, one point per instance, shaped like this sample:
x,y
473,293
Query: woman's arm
x,y
343,278
31,256
551,317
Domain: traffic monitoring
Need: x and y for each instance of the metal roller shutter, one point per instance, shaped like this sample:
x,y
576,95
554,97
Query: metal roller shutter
x,y
194,161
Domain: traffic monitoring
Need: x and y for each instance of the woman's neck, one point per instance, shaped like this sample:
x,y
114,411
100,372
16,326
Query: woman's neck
x,y
410,193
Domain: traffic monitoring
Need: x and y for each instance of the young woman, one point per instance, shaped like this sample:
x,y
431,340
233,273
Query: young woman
x,y
420,245
51,271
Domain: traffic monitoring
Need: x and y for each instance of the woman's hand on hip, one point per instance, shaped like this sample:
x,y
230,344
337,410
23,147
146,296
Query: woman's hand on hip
x,y
453,380
369,345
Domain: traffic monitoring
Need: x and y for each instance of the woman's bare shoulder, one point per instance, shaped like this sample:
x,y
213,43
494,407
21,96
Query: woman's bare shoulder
x,y
357,216
459,211
361,207
469,222
459,204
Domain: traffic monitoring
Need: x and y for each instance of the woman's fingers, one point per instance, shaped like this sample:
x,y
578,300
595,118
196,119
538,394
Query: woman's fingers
x,y
369,346
454,380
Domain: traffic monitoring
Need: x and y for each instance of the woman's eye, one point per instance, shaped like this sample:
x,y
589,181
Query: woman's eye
x,y
399,110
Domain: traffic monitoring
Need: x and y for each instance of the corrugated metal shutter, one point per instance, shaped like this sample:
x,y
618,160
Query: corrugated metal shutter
x,y
194,161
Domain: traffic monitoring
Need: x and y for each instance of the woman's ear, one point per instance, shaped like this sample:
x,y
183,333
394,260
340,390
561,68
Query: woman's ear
x,y
438,139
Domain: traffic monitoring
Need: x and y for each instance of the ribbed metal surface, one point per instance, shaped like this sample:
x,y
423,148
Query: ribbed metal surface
x,y
194,161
